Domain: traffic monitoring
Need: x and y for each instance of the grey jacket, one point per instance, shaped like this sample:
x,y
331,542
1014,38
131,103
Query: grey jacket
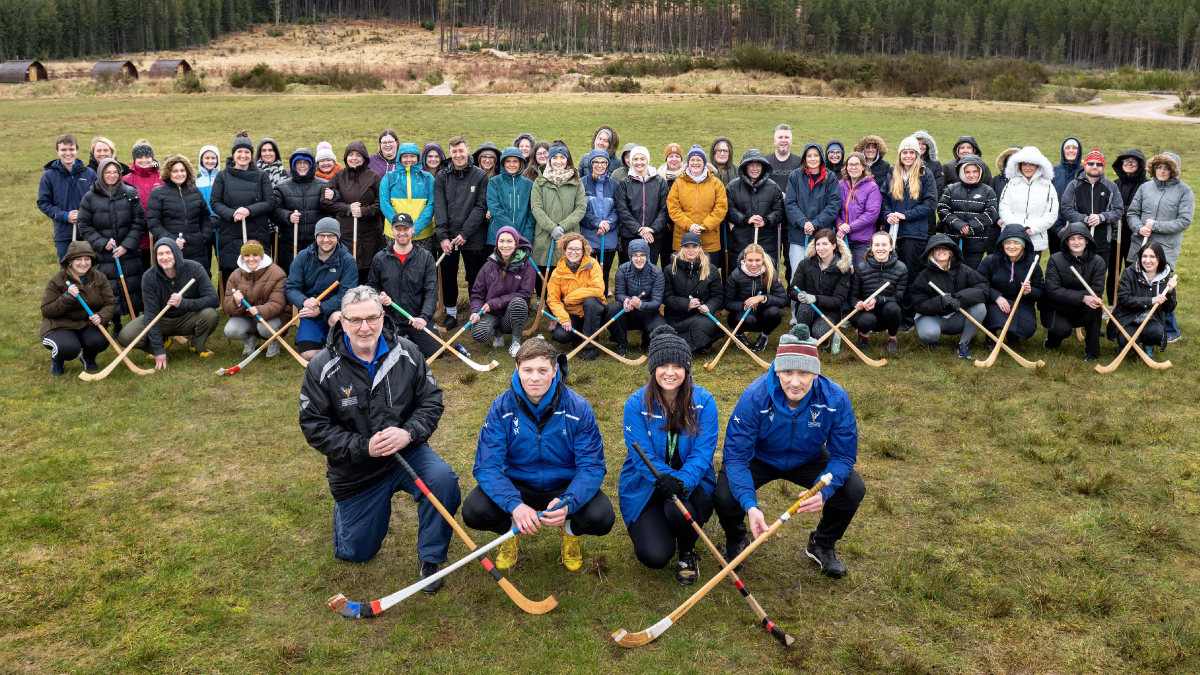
x,y
1170,204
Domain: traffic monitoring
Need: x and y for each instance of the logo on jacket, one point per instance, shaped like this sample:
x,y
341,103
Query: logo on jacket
x,y
472,188
349,400
976,196
813,422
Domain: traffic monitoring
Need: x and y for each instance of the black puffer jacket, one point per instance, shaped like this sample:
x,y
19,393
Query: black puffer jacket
x,y
682,282
1004,276
965,284
174,210
411,284
741,286
950,170
1135,297
1128,184
974,206
870,274
831,284
303,193
460,205
642,202
342,407
116,215
747,198
233,189
1063,287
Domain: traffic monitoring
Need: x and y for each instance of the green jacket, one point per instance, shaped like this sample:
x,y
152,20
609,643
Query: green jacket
x,y
555,205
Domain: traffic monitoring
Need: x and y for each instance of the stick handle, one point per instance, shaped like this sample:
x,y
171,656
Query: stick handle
x,y
82,301
597,333
645,458
256,314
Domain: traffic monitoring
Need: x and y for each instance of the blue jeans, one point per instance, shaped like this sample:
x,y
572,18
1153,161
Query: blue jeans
x,y
60,247
361,522
1172,326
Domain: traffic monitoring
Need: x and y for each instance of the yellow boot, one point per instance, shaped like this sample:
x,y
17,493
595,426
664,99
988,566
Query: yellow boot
x,y
572,557
507,557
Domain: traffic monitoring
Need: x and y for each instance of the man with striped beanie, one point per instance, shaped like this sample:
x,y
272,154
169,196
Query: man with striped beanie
x,y
793,424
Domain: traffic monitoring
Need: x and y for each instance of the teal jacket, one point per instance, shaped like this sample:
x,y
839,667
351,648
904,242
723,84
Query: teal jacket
x,y
408,189
508,202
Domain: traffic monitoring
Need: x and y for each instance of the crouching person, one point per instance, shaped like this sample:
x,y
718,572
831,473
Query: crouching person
x,y
366,397
192,313
260,283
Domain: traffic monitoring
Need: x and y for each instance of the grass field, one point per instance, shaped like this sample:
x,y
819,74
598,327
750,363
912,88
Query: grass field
x,y
1015,522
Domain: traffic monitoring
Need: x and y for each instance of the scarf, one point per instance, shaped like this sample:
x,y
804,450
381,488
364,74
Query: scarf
x,y
558,176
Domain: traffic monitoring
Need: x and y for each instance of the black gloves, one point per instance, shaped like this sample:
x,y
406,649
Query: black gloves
x,y
669,486
950,303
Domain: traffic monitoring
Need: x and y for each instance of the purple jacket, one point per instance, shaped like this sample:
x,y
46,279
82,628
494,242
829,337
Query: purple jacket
x,y
860,208
517,283
380,165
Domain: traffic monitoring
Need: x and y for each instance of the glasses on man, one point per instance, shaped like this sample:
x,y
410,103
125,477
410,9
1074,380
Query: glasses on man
x,y
355,322
1094,164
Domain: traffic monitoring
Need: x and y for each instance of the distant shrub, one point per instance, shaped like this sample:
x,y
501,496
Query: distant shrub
x,y
427,25
1188,105
337,78
1073,95
625,85
259,78
435,78
274,32
189,83
1008,88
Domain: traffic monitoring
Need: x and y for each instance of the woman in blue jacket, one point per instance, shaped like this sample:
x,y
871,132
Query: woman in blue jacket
x,y
599,224
675,423
909,203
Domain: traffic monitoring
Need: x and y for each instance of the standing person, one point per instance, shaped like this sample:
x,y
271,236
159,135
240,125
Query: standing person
x,y
103,148
262,284
861,205
314,270
963,148
875,149
599,221
1161,210
606,140
327,164
242,198
675,422
507,204
672,167
575,293
381,401
835,156
968,209
936,314
697,204
408,189
909,206
433,158
540,445
722,165
387,158
177,210
1066,304
68,330
406,275
191,312
822,277
783,163
268,158
1146,284
525,144
460,208
1000,178
540,157
144,176
206,175
929,155
1029,199
885,311
620,173
487,157
1005,272
1130,172
63,184
558,203
692,289
812,201
297,206
110,218
641,202
1095,201
503,291
353,193
1065,171
755,206
639,291
753,286
791,423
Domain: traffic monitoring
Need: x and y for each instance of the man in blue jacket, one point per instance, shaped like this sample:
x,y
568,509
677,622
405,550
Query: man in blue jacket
x,y
538,446
64,183
315,269
793,424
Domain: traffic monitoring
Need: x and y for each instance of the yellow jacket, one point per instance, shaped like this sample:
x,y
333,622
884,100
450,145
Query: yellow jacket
x,y
566,289
702,203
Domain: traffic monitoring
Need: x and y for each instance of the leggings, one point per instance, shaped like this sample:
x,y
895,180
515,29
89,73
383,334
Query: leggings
x,y
930,328
596,517
511,322
660,528
473,262
66,344
238,328
763,319
1152,335
808,316
609,258
641,320
886,316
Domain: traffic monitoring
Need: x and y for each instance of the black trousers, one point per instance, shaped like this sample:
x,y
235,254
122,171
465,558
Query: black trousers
x,y
596,517
909,252
610,257
763,319
1023,326
420,338
472,262
698,330
1152,335
1115,259
884,317
660,528
633,320
65,344
1060,320
593,316
836,515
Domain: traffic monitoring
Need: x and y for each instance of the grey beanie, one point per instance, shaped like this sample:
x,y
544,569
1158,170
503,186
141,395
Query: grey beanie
x,y
667,347
690,238
328,225
638,245
143,150
797,351
242,141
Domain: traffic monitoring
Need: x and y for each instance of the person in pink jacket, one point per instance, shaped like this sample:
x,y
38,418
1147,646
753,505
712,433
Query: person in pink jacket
x,y
861,202
144,176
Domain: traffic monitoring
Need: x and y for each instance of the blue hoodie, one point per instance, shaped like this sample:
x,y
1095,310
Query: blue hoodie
x,y
601,205
644,427
508,200
408,189
765,428
60,191
551,446
819,204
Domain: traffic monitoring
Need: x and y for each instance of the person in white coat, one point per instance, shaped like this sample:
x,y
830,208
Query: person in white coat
x,y
1029,199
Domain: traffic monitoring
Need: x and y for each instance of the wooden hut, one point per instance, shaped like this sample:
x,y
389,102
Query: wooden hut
x,y
115,69
169,68
22,71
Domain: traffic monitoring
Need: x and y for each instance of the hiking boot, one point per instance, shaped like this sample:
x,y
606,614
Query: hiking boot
x,y
507,557
56,367
893,345
687,568
734,548
835,345
514,348
589,354
826,557
864,340
449,322
498,343
429,569
964,351
250,345
761,343
572,556
273,349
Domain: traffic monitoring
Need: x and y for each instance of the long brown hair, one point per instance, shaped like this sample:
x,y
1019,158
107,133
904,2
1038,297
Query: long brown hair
x,y
682,418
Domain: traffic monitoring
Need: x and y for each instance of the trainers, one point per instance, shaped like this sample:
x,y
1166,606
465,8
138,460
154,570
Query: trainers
x,y
893,345
1088,358
1175,338
88,364
572,557
498,343
835,345
687,568
168,342
514,348
589,354
429,569
826,557
964,351
507,557
250,345
204,353
864,339
273,349
761,343
733,549
56,367
621,350
449,322
742,338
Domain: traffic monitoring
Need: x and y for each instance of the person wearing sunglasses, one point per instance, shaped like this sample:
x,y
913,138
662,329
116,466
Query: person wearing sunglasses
x,y
1096,202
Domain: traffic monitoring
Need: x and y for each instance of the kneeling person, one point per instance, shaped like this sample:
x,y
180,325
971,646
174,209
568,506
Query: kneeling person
x,y
791,423
540,445
407,275
192,313
366,397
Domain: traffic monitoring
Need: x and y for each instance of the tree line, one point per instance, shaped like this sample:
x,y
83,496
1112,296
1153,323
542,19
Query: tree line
x,y
1151,34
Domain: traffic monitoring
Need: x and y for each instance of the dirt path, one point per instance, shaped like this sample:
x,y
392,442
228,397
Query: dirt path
x,y
443,89
1155,109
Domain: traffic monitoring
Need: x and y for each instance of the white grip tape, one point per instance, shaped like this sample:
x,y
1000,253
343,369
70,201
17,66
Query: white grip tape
x,y
784,518
659,628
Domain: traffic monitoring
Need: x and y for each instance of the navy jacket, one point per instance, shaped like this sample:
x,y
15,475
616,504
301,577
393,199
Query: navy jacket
x,y
918,213
601,205
819,204
60,191
309,276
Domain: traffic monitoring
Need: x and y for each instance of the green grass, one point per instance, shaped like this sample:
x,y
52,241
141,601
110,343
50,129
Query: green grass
x,y
1015,522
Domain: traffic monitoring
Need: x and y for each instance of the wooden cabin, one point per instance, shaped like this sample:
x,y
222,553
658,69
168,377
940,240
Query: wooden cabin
x,y
22,71
115,69
170,68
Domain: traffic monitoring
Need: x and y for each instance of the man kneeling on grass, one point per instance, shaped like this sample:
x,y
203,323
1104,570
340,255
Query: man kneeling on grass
x,y
367,396
794,424
192,313
540,445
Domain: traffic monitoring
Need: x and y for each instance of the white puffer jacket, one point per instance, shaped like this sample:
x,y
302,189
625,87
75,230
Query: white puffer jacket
x,y
1032,203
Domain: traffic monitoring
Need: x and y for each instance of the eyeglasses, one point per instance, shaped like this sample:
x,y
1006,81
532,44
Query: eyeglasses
x,y
574,249
367,320
1093,164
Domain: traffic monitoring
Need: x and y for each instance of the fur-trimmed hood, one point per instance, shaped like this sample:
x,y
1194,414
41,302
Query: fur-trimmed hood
x,y
1028,155
1169,158
1002,158
879,142
841,258
170,162
932,154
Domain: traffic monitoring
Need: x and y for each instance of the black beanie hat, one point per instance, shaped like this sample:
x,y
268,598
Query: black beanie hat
x,y
667,347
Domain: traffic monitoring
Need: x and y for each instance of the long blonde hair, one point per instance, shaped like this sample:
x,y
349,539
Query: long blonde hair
x,y
767,276
912,177
705,265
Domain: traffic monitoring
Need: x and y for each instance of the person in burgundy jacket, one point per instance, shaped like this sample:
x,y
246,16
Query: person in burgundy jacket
x,y
144,176
503,291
